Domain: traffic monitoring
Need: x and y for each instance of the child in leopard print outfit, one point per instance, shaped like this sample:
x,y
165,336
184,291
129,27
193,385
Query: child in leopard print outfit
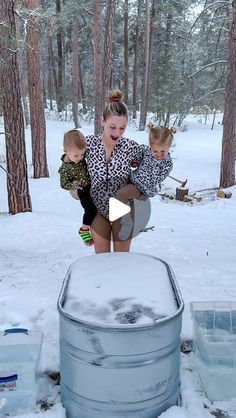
x,y
155,166
74,177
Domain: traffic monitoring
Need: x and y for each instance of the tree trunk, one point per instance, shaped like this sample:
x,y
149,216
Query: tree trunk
x,y
23,84
81,86
50,81
166,69
75,70
227,171
35,85
98,90
45,104
180,193
51,90
52,64
17,179
107,53
144,99
135,69
64,91
151,33
60,86
126,54
213,120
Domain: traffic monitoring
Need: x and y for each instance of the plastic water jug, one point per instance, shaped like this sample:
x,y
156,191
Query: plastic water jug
x,y
19,357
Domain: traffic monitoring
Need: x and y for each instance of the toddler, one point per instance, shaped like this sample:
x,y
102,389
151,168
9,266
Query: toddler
x,y
74,177
154,167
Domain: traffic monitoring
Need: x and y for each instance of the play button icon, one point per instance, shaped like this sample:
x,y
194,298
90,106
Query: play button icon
x,y
115,215
117,209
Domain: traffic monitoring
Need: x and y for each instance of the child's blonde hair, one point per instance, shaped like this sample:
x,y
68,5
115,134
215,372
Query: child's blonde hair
x,y
162,134
115,106
74,138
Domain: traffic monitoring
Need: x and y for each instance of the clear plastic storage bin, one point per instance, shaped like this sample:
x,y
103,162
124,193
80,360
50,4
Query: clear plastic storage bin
x,y
19,356
214,327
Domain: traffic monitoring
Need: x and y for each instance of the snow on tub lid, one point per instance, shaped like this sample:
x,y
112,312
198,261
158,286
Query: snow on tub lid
x,y
119,289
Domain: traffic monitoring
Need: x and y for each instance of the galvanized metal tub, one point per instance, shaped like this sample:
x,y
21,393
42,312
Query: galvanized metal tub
x,y
118,370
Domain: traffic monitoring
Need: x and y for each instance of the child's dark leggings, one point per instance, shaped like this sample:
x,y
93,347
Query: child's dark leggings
x,y
90,209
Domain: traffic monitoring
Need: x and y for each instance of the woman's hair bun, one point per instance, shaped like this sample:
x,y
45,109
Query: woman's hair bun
x,y
151,125
114,96
173,130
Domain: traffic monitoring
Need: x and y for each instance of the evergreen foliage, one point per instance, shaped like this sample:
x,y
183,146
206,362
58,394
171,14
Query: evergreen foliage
x,y
187,37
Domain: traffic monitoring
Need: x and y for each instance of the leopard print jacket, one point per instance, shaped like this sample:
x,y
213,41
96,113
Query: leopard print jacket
x,y
150,172
108,177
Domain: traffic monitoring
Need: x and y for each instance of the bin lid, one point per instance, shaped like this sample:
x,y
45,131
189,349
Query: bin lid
x,y
215,320
18,336
119,288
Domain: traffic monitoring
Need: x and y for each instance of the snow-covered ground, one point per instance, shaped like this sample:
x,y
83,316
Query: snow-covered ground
x,y
197,240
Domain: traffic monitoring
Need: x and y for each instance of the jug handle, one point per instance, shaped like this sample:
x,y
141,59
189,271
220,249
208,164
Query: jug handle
x,y
16,331
6,379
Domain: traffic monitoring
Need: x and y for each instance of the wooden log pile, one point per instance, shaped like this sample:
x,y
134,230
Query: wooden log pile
x,y
182,194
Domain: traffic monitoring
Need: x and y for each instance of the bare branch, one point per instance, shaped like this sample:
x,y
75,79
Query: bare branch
x,y
4,24
88,11
184,38
207,94
9,176
208,65
223,3
148,228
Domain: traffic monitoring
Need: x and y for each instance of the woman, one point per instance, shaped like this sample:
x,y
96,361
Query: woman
x,y
109,157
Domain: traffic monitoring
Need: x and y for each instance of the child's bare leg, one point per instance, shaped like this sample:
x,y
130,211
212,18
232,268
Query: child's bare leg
x,y
127,193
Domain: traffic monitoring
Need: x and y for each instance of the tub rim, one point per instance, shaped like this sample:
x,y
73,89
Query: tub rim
x,y
122,327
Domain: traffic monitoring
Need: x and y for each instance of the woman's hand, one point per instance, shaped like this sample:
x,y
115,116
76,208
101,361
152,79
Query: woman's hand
x,y
142,197
78,184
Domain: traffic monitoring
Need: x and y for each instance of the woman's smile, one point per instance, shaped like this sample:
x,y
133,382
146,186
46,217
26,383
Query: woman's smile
x,y
114,138
113,128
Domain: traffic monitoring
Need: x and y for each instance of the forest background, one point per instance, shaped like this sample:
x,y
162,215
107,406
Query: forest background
x,y
57,60
169,58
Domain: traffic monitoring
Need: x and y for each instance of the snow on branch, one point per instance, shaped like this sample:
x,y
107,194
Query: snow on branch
x,y
88,11
4,24
222,3
208,65
184,38
207,94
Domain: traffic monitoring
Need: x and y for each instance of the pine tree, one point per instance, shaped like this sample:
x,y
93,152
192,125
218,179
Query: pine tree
x,y
98,91
35,86
144,97
227,172
17,178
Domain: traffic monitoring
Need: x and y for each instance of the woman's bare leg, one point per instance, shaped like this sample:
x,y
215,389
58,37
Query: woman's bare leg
x,y
101,233
120,245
